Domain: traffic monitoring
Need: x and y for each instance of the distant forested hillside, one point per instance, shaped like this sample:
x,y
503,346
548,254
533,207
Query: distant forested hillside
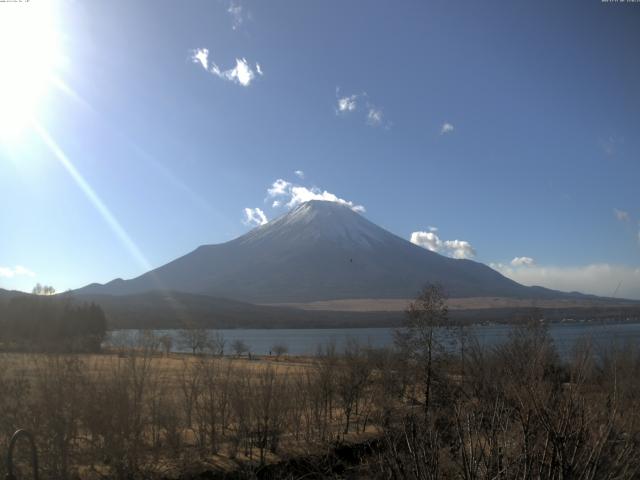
x,y
32,322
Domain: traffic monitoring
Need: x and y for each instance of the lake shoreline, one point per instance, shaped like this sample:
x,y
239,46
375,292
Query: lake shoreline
x,y
307,342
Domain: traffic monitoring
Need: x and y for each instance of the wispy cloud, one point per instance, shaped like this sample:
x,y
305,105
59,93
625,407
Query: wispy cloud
x,y
373,114
347,104
17,271
446,128
279,188
201,56
626,218
290,195
598,279
610,145
523,262
242,74
299,174
254,217
236,11
453,248
621,215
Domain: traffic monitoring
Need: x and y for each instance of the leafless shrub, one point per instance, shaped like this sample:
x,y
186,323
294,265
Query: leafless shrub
x,y
239,347
280,349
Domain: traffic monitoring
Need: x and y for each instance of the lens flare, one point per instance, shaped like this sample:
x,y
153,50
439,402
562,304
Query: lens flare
x,y
92,196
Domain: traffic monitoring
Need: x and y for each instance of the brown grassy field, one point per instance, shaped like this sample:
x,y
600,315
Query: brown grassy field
x,y
512,411
141,411
473,303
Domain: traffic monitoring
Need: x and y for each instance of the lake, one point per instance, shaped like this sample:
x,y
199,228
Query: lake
x,y
307,341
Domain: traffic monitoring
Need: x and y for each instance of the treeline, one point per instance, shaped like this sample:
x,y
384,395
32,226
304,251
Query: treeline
x,y
515,411
34,322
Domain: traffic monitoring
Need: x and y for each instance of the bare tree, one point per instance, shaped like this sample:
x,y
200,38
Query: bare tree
x,y
325,386
167,343
215,343
280,349
43,290
239,347
147,341
194,339
417,339
523,412
268,407
352,377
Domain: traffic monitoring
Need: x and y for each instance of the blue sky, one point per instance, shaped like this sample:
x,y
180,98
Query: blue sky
x,y
511,127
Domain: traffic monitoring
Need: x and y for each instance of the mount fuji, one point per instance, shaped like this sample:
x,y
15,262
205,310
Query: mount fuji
x,y
319,251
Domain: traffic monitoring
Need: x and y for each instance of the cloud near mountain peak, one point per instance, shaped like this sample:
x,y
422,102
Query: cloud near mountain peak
x,y
285,193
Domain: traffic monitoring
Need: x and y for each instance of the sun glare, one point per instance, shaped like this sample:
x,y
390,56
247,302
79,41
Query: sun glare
x,y
28,56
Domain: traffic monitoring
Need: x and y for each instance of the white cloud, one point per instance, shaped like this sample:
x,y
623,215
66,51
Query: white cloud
x,y
621,215
446,128
293,195
374,117
279,187
303,194
598,279
17,271
453,248
523,262
254,217
347,104
428,240
241,74
236,12
299,174
201,56
459,249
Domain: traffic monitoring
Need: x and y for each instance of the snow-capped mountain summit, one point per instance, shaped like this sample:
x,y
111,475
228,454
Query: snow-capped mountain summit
x,y
320,221
318,251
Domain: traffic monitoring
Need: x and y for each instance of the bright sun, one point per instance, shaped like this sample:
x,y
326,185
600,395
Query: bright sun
x,y
28,56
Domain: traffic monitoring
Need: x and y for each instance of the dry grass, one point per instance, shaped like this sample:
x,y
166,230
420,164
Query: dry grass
x,y
470,303
142,413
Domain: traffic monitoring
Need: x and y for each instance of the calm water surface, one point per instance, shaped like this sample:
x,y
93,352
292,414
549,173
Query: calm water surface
x,y
307,341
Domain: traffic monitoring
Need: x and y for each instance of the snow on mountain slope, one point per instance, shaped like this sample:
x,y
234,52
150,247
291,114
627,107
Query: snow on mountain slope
x,y
318,251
